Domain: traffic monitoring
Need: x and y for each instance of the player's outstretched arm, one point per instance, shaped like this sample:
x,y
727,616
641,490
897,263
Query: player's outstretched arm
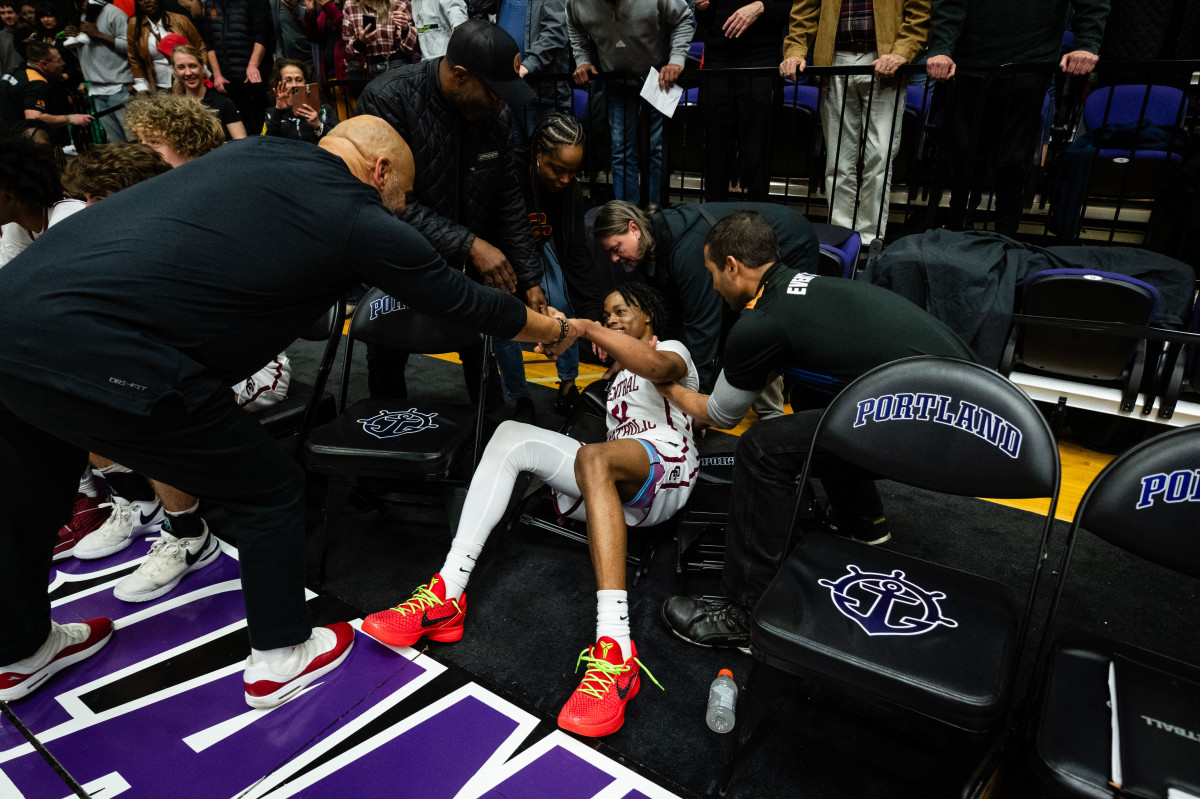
x,y
634,354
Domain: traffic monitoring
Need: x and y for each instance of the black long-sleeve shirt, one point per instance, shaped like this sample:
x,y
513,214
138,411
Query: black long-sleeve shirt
x,y
758,46
144,295
983,34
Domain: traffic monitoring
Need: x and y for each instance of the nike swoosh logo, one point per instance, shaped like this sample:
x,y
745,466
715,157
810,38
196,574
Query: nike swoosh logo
x,y
428,622
461,569
191,557
621,693
147,519
624,618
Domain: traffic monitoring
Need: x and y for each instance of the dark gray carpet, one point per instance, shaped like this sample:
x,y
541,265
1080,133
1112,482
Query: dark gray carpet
x,y
531,611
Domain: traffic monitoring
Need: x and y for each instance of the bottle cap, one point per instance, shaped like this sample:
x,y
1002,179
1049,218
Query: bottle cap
x,y
725,673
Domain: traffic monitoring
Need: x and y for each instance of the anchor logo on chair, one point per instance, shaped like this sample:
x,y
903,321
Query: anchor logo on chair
x,y
884,615
390,424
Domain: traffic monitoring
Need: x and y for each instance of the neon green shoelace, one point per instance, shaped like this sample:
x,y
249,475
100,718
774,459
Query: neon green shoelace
x,y
600,673
421,599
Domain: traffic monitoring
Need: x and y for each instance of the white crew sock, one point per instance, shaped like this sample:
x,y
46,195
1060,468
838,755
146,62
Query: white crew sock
x,y
87,484
612,619
456,572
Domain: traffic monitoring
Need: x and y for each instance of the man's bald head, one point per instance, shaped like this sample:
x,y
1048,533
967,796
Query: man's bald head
x,y
376,154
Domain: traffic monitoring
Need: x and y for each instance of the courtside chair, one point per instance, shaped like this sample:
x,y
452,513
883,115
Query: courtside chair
x,y
381,442
1181,371
1112,719
934,646
308,405
1080,354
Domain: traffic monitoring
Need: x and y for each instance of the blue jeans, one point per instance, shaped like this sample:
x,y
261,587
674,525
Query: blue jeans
x,y
511,360
624,107
523,120
114,123
555,287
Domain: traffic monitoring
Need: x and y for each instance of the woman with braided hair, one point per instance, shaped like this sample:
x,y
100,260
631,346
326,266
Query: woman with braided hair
x,y
554,202
642,475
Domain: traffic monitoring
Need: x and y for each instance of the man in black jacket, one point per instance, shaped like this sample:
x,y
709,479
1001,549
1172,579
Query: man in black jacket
x,y
466,199
130,352
240,36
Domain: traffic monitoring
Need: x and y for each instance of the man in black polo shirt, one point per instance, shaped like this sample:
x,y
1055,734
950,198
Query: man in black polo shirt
x,y
825,332
130,352
27,91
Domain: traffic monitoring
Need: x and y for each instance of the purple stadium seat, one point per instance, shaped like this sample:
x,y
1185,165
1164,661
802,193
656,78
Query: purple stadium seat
x,y
802,96
580,103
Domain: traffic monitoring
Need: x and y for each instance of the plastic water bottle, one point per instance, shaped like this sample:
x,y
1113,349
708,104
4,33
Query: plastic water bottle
x,y
722,701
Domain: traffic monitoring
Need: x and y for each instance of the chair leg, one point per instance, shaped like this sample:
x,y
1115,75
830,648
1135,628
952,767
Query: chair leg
x,y
763,686
335,505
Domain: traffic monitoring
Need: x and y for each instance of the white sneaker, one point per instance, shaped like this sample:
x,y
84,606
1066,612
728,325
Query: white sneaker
x,y
169,560
66,644
269,686
127,522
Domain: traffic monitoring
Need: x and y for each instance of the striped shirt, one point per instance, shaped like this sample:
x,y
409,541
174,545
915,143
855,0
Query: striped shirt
x,y
397,34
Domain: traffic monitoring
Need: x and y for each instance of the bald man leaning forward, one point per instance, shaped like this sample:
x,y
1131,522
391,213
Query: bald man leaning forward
x,y
130,352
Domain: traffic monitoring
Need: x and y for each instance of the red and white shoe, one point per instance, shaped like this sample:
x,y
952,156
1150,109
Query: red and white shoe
x,y
428,614
324,651
87,518
598,705
66,645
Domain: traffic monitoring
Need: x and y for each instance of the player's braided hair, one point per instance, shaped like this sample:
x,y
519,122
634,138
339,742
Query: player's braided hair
x,y
647,299
554,132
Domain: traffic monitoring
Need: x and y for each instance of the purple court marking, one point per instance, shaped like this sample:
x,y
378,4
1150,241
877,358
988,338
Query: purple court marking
x,y
233,757
104,603
635,795
129,646
433,759
557,773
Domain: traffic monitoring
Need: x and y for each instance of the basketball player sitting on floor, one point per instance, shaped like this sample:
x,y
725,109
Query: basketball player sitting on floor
x,y
642,475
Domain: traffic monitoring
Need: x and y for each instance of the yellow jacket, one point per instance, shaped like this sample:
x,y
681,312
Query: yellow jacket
x,y
901,27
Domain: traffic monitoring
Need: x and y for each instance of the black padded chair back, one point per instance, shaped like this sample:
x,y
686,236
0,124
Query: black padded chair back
x,y
1083,294
1147,501
380,319
943,424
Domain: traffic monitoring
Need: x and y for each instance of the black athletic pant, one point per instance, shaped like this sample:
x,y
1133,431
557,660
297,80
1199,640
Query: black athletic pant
x,y
1007,140
218,452
386,379
737,118
770,456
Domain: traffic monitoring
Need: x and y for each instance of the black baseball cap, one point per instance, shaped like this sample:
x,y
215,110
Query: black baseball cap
x,y
488,52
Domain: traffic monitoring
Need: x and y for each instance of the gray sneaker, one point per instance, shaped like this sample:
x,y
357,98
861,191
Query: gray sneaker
x,y
708,622
169,560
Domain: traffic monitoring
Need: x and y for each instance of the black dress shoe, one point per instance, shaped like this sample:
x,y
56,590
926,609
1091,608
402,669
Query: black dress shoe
x,y
708,622
525,411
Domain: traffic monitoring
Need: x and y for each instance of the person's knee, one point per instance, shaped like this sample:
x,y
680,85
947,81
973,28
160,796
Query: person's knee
x,y
591,462
509,434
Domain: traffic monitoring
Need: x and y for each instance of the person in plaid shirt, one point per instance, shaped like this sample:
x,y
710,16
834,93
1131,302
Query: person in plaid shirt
x,y
390,41
881,33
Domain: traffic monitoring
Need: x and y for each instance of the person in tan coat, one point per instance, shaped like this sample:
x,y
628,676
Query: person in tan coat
x,y
858,110
148,26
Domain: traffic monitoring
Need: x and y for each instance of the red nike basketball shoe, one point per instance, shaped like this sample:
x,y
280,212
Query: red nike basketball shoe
x,y
427,615
598,705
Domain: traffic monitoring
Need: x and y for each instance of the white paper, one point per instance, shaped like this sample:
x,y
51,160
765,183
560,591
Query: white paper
x,y
665,102
1118,777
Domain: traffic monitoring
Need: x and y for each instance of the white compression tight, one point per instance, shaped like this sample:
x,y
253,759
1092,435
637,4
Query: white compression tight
x,y
514,448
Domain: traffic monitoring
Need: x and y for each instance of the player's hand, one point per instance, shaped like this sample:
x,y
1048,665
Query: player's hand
x,y
742,19
668,75
940,67
493,266
886,65
583,74
535,298
790,66
1078,62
